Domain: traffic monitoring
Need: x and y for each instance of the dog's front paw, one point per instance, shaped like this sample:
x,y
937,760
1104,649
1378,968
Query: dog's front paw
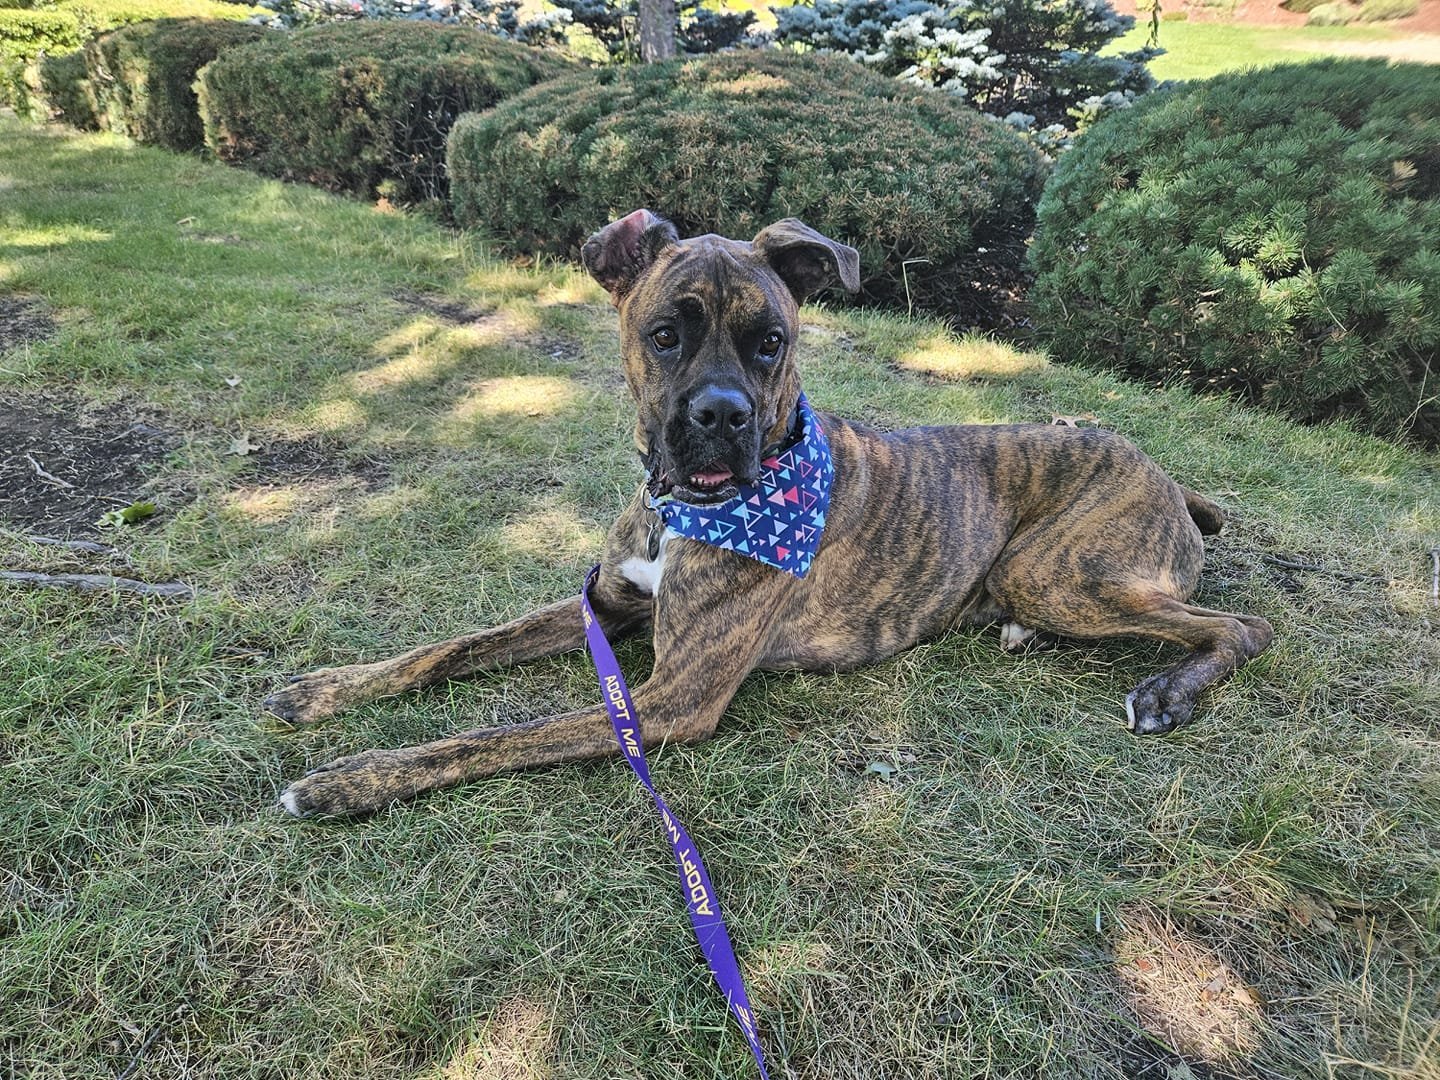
x,y
318,694
357,784
1155,707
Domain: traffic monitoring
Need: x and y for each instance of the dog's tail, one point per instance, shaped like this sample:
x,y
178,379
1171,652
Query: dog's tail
x,y
1208,517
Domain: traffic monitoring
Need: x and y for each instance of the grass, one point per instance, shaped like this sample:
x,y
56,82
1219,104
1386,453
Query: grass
x,y
1035,892
1198,50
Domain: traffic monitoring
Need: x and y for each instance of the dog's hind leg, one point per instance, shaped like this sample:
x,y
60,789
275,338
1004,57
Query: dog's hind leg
x,y
548,632
1219,642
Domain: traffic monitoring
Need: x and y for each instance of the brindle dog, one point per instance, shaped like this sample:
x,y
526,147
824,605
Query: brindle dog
x,y
1071,531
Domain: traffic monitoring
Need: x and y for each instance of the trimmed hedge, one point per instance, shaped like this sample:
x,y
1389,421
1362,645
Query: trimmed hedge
x,y
63,90
141,76
64,25
352,105
1272,233
733,142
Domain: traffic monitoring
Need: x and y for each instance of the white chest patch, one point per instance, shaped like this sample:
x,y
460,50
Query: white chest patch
x,y
646,573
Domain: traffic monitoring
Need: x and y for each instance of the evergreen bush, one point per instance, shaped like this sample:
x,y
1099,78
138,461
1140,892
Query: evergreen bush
x,y
1385,10
1031,62
352,105
931,192
63,89
141,76
500,17
25,34
1334,13
64,25
1272,233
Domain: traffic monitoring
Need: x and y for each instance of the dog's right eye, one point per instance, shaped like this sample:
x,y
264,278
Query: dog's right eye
x,y
665,338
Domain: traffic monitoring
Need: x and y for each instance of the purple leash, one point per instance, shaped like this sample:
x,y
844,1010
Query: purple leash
x,y
700,897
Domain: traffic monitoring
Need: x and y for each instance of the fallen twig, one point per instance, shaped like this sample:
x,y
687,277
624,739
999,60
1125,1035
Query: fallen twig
x,y
49,478
155,1033
1345,575
98,582
73,545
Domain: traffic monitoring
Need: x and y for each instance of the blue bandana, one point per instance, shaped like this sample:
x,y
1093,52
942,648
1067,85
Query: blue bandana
x,y
778,520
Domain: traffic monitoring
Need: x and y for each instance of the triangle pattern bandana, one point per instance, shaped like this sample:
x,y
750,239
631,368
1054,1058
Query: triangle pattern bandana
x,y
779,519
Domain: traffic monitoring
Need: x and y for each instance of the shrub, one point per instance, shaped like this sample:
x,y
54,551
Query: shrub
x,y
351,105
141,76
500,17
1036,59
735,141
1301,7
1335,13
1384,10
1272,233
64,25
25,34
64,90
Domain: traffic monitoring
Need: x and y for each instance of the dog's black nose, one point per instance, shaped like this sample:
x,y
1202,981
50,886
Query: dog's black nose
x,y
718,411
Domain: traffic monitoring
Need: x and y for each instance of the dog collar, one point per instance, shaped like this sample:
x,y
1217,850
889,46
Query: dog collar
x,y
779,519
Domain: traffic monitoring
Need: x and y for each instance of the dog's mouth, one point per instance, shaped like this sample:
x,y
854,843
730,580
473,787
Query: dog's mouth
x,y
713,482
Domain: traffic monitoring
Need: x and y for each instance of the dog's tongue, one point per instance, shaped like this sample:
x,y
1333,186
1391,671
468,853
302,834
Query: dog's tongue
x,y
713,475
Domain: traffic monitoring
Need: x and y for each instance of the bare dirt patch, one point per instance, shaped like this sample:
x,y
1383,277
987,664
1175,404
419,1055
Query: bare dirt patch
x,y
288,460
63,463
24,320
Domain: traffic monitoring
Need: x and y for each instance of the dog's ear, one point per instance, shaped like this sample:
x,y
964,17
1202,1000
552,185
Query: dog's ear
x,y
618,254
806,261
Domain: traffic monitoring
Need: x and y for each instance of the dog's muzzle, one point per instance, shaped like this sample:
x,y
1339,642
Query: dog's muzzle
x,y
711,443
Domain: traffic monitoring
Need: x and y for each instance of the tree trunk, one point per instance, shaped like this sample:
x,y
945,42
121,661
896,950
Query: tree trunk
x,y
657,30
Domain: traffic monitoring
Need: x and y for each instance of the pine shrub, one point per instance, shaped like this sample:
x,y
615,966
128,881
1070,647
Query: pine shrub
x,y
1036,63
352,105
1272,233
141,76
931,192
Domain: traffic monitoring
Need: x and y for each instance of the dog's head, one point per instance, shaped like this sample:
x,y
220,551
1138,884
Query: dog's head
x,y
708,329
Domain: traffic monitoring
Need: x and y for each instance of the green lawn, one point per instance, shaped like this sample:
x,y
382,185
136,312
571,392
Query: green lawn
x,y
440,441
1198,50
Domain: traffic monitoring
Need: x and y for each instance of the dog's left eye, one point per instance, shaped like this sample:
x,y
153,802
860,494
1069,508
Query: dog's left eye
x,y
665,338
771,345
